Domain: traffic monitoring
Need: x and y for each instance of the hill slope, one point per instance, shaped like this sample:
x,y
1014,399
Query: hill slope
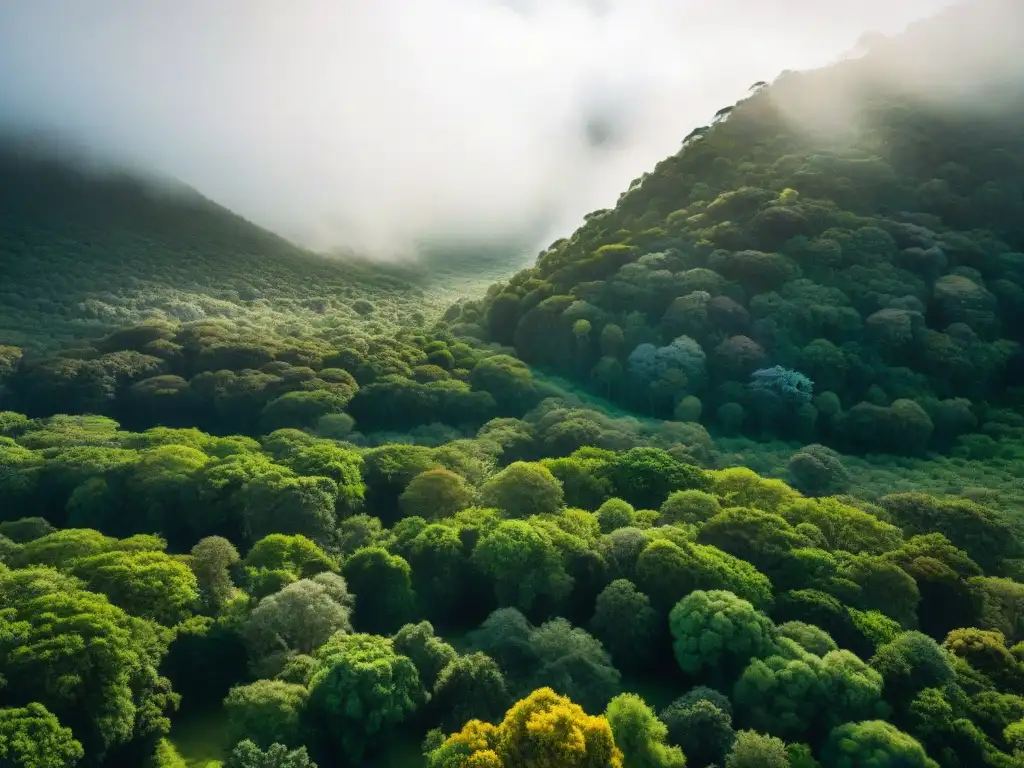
x,y
84,252
853,235
445,539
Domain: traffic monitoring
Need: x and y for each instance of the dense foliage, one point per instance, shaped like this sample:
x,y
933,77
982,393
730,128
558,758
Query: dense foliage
x,y
330,538
855,281
820,625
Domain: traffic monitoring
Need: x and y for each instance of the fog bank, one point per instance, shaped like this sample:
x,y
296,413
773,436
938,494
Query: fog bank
x,y
374,125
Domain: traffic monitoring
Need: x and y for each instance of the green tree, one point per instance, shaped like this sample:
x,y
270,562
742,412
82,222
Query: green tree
x,y
469,687
742,487
762,539
509,380
801,756
523,489
58,549
266,712
522,564
667,571
277,560
441,576
935,722
818,471
297,620
343,466
998,604
428,652
793,697
15,461
692,506
755,750
220,499
152,585
582,477
626,624
701,724
164,756
7,548
283,503
388,470
31,737
1014,735
247,755
211,562
873,627
645,477
987,652
615,514
302,409
884,587
435,493
874,744
809,637
941,572
52,632
506,637
844,527
573,663
718,632
161,484
373,571
640,735
358,531
984,533
911,663
26,529
362,690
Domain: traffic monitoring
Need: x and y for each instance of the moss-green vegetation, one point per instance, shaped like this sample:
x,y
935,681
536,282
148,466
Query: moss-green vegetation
x,y
84,252
201,739
289,535
605,561
856,284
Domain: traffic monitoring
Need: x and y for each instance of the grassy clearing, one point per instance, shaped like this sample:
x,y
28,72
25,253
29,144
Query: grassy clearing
x,y
201,738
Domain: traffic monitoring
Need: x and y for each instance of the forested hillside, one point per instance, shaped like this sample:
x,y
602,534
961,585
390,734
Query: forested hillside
x,y
87,249
255,512
838,257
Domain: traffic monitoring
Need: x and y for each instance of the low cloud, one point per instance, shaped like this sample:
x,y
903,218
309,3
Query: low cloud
x,y
377,125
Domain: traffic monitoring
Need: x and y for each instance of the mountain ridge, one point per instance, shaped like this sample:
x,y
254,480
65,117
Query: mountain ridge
x,y
827,227
86,247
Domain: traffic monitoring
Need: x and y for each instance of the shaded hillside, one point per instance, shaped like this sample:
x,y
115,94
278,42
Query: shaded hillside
x,y
83,252
838,257
156,306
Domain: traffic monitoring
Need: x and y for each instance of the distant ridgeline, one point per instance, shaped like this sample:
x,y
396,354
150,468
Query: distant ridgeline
x,y
84,251
838,258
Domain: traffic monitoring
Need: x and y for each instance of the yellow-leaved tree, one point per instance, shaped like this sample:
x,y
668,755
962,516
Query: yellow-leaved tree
x,y
544,730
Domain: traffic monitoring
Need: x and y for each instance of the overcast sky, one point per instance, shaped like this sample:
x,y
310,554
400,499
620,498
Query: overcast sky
x,y
371,123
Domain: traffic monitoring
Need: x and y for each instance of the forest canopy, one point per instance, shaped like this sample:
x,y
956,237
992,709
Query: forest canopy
x,y
780,276
730,477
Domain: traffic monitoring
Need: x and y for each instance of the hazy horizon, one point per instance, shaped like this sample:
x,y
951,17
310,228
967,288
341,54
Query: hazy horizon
x,y
346,125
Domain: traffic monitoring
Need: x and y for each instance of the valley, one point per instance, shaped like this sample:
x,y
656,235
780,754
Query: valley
x,y
732,475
